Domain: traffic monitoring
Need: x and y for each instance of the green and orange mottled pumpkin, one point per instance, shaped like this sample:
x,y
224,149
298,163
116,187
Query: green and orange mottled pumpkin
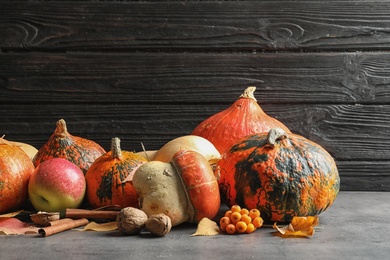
x,y
61,144
107,177
281,175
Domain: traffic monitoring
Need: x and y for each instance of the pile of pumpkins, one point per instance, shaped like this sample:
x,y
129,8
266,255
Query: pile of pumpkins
x,y
239,156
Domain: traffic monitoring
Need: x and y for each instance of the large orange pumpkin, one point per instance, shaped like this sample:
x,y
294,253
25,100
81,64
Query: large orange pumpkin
x,y
281,175
105,178
61,144
242,118
16,168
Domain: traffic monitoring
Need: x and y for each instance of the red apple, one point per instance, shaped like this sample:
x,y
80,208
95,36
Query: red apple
x,y
56,184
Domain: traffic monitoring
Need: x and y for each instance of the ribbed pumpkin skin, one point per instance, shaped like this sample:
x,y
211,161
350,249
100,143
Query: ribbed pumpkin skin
x,y
16,168
244,117
295,177
104,180
62,144
200,184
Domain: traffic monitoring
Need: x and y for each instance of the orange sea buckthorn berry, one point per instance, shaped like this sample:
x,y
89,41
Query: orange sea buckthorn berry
x,y
247,219
235,217
254,213
230,229
235,208
244,211
241,226
257,222
223,222
228,213
250,228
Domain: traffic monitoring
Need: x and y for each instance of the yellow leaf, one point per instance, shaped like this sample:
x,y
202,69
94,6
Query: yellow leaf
x,y
11,214
93,226
206,227
299,226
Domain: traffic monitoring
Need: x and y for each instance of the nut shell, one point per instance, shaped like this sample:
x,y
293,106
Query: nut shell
x,y
44,218
131,221
159,224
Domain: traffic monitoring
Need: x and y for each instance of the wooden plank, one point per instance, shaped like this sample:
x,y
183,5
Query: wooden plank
x,y
196,25
284,78
364,183
100,66
364,175
362,157
347,132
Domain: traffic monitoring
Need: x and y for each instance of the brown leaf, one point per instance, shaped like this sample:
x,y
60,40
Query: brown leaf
x,y
299,226
206,227
93,226
13,226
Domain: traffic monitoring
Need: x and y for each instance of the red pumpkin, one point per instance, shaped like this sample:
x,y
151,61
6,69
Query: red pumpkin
x,y
105,178
282,176
16,168
62,144
242,118
200,184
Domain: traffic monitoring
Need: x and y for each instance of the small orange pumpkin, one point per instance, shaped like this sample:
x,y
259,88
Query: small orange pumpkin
x,y
242,118
105,178
281,175
16,168
62,144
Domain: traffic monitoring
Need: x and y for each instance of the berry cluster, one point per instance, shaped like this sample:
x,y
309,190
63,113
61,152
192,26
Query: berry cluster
x,y
240,220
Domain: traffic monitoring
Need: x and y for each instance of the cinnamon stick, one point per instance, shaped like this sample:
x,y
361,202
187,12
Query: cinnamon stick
x,y
85,213
62,225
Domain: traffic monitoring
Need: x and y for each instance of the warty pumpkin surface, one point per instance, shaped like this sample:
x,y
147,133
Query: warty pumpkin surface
x,y
61,144
282,176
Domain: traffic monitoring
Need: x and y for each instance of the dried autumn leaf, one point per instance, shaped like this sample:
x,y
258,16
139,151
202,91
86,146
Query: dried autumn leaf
x,y
206,227
11,214
13,226
93,226
299,226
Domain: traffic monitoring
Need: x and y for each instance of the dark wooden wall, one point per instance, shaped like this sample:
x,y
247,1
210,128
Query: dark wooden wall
x,y
149,71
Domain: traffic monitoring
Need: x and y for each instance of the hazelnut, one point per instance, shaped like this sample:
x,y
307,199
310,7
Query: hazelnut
x,y
159,224
131,221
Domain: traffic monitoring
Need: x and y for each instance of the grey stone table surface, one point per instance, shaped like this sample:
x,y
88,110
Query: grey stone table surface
x,y
356,226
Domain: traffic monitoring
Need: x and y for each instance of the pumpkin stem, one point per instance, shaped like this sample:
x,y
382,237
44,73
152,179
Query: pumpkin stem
x,y
146,154
249,93
61,129
275,134
3,141
116,151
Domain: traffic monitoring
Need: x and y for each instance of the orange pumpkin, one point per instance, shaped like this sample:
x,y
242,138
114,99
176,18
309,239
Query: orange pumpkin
x,y
16,168
105,178
62,144
281,175
30,150
242,118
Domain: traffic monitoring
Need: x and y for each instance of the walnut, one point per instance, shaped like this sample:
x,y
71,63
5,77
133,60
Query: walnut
x,y
131,221
44,218
159,224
